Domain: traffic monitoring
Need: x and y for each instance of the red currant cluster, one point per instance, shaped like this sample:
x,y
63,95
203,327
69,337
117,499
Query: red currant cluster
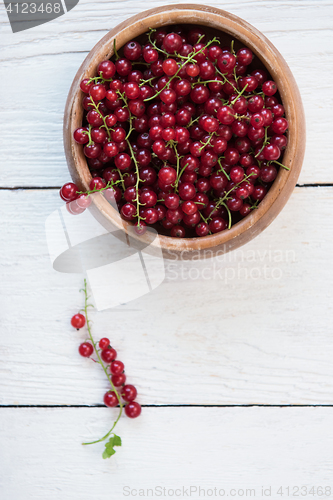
x,y
120,394
128,392
181,132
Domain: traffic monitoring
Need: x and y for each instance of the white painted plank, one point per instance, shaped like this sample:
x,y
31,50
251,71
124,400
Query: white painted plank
x,y
232,449
46,59
257,331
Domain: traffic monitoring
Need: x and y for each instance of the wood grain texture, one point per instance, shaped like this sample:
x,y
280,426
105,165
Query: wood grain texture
x,y
253,326
46,59
168,448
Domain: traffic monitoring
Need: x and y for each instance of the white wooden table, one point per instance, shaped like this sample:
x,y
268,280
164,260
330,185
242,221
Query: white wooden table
x,y
235,375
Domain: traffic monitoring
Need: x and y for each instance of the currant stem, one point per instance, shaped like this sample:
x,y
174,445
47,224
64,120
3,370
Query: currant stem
x,y
86,305
137,183
188,59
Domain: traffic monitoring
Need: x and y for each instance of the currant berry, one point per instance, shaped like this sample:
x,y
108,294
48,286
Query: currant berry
x,y
128,393
178,232
68,191
133,409
110,399
118,380
104,343
86,349
108,354
78,321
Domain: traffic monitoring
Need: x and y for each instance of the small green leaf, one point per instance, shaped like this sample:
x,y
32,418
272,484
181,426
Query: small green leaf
x,y
109,447
108,453
117,440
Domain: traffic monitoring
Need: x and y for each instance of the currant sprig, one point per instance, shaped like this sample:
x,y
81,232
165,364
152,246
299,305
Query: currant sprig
x,y
106,357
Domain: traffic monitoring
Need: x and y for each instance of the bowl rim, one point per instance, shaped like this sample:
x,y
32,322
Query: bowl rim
x,y
281,189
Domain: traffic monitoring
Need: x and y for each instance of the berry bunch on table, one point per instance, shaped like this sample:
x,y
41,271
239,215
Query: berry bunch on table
x,y
120,394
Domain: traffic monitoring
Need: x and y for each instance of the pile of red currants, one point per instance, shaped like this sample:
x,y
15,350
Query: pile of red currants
x,y
181,132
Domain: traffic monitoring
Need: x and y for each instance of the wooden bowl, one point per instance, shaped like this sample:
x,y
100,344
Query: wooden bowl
x,y
244,34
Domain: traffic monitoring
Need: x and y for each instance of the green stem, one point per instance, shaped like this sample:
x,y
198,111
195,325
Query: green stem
x,y
240,93
115,49
188,59
137,183
278,163
221,169
86,305
264,143
96,106
109,185
222,200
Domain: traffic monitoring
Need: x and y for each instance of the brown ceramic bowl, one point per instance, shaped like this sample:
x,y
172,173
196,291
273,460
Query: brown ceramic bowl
x,y
232,27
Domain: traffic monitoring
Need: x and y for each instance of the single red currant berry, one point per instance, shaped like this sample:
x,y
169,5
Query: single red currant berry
x,y
97,92
117,367
279,125
168,96
199,94
257,120
217,224
187,191
244,56
271,152
119,379
202,229
108,354
78,321
132,90
167,175
92,151
150,215
83,200
226,62
260,74
234,204
279,140
178,232
86,349
128,211
174,216
128,393
268,173
110,399
97,183
189,207
259,192
269,87
225,115
106,69
192,69
170,67
245,209
137,107
68,191
85,85
132,50
172,43
171,201
148,198
133,409
73,208
104,343
80,135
